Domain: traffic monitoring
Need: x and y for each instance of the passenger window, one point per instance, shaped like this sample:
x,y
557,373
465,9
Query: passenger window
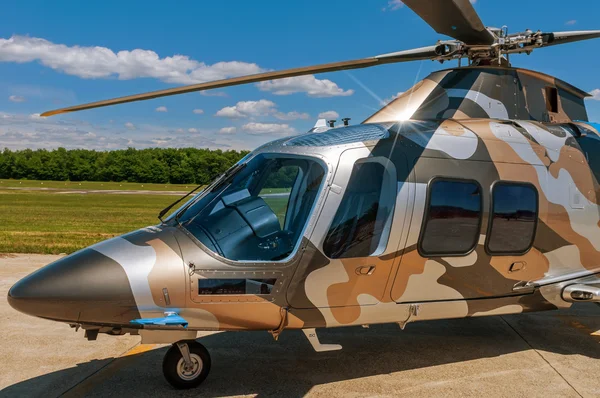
x,y
514,218
362,222
453,218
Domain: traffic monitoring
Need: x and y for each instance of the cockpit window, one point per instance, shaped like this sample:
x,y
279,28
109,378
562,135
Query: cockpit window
x,y
276,190
260,213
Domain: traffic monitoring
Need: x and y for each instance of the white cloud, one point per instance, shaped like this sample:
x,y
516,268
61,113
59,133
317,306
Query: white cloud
x,y
310,85
255,108
192,130
130,126
248,108
393,5
102,62
161,109
268,128
329,115
291,115
198,111
228,130
595,95
20,131
571,22
244,109
95,62
16,98
230,112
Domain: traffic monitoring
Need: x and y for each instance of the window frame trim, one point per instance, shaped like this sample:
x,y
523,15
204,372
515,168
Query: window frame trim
x,y
475,243
491,218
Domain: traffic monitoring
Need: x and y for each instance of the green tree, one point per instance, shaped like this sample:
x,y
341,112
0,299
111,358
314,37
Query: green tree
x,y
155,165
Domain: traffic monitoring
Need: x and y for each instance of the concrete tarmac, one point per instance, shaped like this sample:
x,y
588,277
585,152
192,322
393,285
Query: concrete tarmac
x,y
551,354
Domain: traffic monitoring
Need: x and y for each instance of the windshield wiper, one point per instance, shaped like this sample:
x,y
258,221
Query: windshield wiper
x,y
169,207
228,176
224,179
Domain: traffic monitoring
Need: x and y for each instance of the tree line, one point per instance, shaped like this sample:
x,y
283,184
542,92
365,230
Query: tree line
x,y
154,165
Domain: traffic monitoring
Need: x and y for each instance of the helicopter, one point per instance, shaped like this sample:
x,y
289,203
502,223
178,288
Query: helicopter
x,y
474,193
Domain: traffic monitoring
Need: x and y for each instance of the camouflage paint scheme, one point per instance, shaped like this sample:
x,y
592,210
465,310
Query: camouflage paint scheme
x,y
460,127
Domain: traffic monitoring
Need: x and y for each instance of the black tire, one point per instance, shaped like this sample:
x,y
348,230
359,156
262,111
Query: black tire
x,y
172,366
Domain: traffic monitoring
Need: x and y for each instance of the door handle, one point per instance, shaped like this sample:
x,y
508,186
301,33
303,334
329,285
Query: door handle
x,y
365,270
517,266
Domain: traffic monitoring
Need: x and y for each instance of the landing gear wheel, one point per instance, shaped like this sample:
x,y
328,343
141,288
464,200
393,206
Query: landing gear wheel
x,y
180,374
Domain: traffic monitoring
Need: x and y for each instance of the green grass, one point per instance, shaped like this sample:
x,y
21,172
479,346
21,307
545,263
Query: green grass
x,y
52,223
94,185
279,207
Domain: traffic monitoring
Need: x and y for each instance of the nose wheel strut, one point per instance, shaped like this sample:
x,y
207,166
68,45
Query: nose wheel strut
x,y
186,364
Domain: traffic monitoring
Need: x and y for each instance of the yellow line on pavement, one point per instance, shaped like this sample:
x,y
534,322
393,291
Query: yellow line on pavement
x,y
139,349
586,330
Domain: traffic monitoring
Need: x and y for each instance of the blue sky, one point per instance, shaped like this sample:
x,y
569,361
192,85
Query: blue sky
x,y
55,54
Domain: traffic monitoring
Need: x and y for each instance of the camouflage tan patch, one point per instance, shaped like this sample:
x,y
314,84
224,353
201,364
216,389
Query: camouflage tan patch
x,y
425,286
533,265
167,273
507,309
369,286
234,316
412,264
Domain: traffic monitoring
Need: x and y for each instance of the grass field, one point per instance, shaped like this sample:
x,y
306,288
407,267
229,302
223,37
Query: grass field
x,y
46,222
94,185
53,223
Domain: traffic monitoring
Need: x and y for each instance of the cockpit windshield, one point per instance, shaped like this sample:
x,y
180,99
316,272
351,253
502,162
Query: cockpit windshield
x,y
259,212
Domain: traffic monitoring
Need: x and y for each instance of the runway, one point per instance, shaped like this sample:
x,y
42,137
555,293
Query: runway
x,y
122,192
97,191
554,354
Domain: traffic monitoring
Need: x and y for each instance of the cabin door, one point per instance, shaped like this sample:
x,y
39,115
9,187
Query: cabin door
x,y
356,236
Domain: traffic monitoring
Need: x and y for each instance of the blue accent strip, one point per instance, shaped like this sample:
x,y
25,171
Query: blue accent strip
x,y
169,320
341,136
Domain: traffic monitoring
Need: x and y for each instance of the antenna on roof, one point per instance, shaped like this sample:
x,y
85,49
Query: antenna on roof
x,y
319,127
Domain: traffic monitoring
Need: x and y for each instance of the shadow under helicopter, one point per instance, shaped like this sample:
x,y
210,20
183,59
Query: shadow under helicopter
x,y
251,363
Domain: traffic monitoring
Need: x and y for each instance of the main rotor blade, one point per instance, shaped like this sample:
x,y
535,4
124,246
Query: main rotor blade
x,y
454,18
555,38
401,56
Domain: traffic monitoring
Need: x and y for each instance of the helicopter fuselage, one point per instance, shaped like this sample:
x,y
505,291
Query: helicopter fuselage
x,y
468,213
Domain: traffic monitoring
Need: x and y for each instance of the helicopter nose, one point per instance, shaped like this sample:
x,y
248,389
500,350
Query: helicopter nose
x,y
84,285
